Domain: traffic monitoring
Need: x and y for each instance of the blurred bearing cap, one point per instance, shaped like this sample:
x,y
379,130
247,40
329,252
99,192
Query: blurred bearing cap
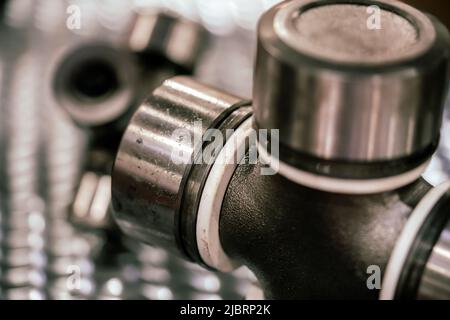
x,y
91,207
179,40
96,83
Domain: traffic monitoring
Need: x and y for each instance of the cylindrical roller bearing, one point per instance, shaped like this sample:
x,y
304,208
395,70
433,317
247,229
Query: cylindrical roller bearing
x,y
158,176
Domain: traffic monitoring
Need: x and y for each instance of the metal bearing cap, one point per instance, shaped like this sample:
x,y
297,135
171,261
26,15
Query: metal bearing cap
x,y
356,88
165,190
95,83
91,206
419,267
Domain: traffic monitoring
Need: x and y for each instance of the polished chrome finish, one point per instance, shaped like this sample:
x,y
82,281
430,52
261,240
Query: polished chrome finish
x,y
435,283
95,83
341,32
339,89
147,182
173,37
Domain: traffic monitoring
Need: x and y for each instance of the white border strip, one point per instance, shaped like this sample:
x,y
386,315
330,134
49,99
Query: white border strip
x,y
343,186
406,239
208,215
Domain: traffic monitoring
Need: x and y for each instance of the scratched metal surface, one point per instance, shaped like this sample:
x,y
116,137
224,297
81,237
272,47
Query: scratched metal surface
x,y
439,169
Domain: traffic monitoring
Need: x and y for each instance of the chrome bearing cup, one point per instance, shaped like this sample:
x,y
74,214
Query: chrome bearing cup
x,y
356,88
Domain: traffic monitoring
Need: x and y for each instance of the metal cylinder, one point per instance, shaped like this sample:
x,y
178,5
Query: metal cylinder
x,y
351,81
420,262
153,176
435,283
179,40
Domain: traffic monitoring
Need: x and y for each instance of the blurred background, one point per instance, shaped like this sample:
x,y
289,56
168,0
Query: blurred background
x,y
42,153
